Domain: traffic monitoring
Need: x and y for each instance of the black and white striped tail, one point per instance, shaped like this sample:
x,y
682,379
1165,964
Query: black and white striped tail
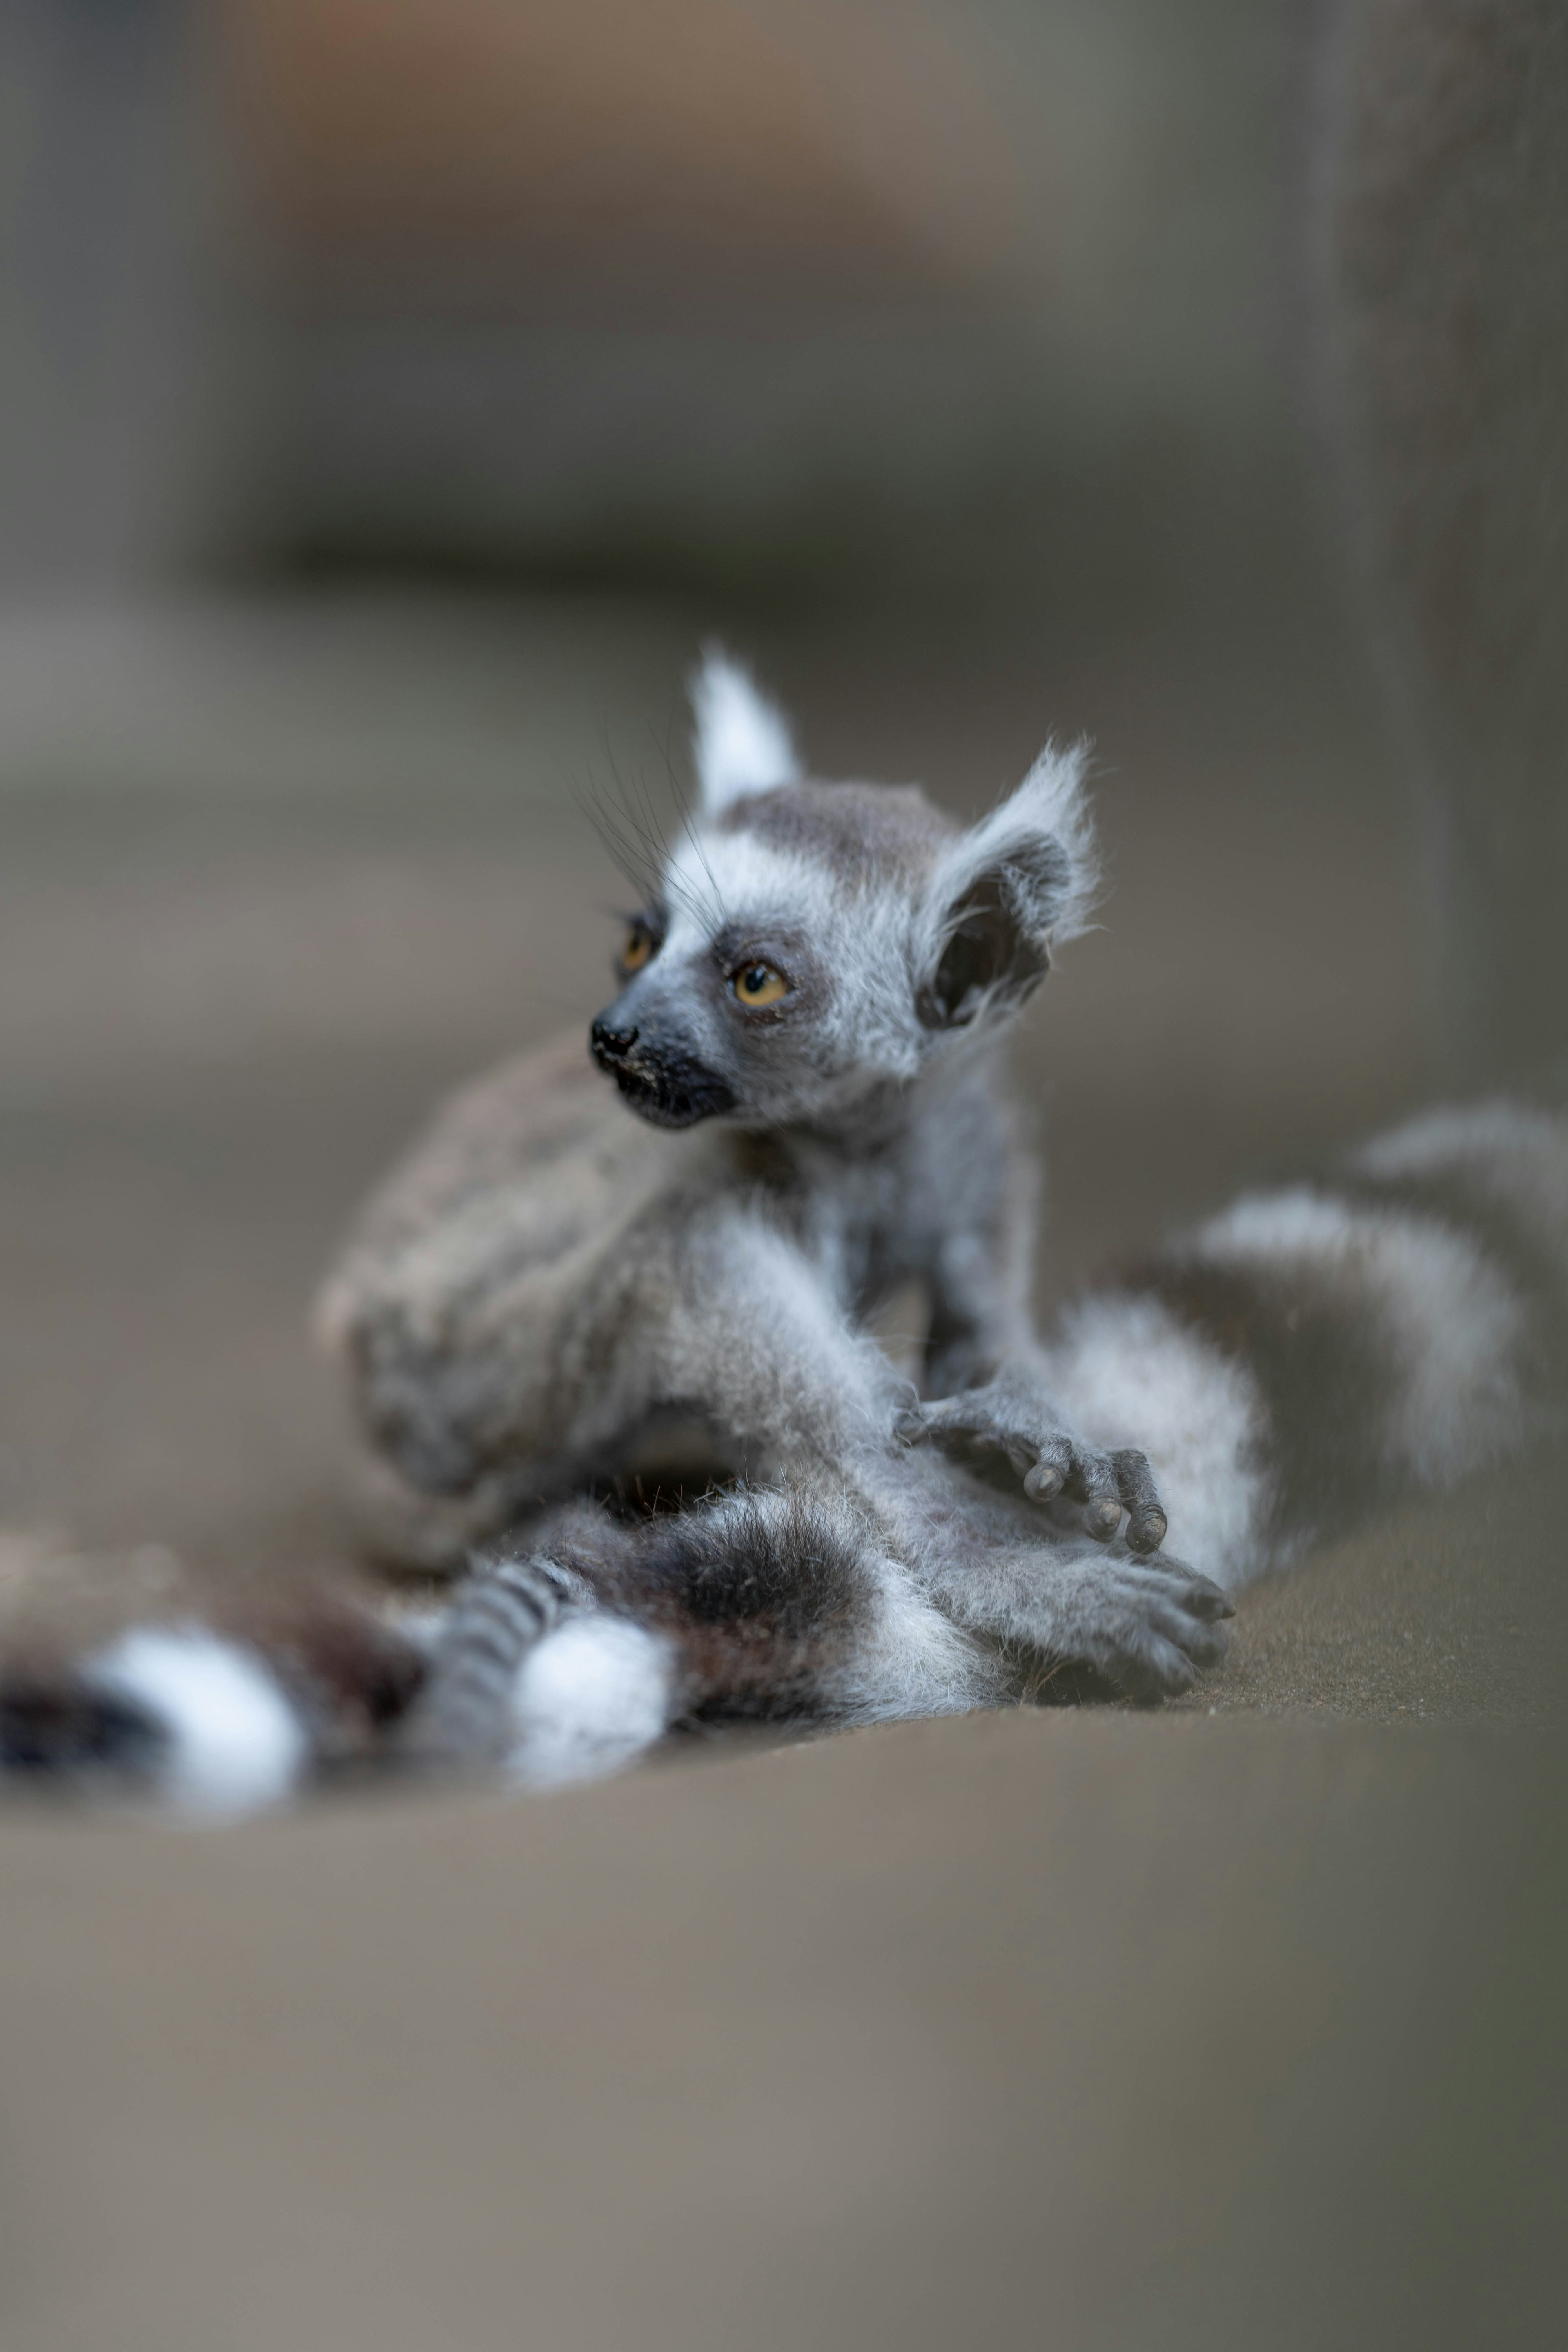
x,y
1312,1350
467,1713
221,1715
530,1672
203,1723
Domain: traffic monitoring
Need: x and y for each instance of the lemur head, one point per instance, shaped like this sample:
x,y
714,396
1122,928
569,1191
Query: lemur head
x,y
810,946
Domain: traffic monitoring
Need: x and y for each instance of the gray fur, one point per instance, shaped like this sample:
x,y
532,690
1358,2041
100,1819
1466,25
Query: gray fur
x,y
505,1607
547,1283
1397,1325
551,1286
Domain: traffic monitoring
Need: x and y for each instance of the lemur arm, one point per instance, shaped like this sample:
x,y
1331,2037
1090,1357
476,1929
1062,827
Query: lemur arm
x,y
751,1335
988,1378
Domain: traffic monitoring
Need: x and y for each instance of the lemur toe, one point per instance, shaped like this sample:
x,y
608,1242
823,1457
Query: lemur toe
x,y
1203,1643
1162,1670
1166,1632
1207,1600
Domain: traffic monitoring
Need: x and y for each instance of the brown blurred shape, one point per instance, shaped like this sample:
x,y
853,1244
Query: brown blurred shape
x,y
671,153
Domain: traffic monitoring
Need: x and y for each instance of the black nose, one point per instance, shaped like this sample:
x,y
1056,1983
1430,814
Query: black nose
x,y
609,1044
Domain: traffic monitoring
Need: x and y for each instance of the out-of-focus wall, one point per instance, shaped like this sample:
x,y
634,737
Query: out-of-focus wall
x,y
104,405
770,280
1445,226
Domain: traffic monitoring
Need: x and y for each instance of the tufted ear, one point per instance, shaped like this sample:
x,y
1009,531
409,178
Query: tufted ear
x,y
1015,883
741,743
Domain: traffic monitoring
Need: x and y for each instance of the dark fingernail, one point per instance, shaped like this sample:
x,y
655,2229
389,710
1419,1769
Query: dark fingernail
x,y
1042,1482
1102,1519
1147,1534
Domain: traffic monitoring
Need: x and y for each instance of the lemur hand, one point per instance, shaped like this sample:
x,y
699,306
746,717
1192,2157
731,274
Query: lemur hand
x,y
1010,1415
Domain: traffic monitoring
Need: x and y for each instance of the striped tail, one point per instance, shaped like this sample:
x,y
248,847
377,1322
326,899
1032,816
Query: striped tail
x,y
504,1608
1310,1352
214,1719
530,1674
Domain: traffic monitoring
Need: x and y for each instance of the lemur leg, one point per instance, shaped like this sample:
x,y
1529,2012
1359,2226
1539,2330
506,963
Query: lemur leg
x,y
568,1660
727,1317
504,1397
492,1376
749,1331
721,1317
813,1400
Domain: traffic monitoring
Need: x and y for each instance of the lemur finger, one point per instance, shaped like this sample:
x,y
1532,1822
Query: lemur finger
x,y
1092,1482
1146,1521
1050,1473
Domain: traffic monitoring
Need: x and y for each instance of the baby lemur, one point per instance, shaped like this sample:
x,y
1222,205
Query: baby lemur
x,y
808,1031
800,1109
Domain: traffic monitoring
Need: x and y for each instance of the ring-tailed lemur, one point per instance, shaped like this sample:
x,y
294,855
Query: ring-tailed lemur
x,y
808,1112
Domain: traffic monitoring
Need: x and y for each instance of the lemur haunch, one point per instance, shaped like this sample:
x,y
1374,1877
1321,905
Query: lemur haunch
x,y
800,1109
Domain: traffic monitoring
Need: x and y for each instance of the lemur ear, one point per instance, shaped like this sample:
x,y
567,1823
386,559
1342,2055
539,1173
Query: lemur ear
x,y
1019,881
742,742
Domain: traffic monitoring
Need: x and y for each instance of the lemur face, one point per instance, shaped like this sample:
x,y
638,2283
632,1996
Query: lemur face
x,y
811,944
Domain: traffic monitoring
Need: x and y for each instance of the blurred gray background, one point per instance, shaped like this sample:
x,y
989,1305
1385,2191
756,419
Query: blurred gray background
x,y
392,399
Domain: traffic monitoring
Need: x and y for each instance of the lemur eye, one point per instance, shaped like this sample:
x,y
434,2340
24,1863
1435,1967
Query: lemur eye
x,y
759,983
638,949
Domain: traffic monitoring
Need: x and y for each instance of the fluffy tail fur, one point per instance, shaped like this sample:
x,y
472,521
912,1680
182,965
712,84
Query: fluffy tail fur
x,y
215,1715
1312,1351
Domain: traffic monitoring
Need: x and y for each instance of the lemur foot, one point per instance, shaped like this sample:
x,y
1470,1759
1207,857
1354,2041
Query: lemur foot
x,y
1004,1417
1149,1632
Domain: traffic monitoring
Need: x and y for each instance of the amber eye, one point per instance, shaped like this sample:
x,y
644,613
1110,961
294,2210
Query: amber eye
x,y
638,949
759,983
